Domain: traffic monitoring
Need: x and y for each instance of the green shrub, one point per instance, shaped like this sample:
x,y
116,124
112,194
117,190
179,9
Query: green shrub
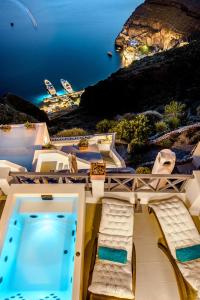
x,y
72,132
29,125
144,49
143,170
166,143
122,129
83,143
161,126
105,125
173,122
135,130
49,146
136,146
174,109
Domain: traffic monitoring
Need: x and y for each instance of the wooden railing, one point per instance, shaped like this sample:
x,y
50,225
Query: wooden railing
x,y
162,183
51,178
146,182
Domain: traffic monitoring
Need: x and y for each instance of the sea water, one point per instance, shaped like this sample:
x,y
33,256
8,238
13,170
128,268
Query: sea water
x,y
70,41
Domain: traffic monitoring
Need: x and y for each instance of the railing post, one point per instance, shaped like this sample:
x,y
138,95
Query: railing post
x,y
97,186
4,184
192,189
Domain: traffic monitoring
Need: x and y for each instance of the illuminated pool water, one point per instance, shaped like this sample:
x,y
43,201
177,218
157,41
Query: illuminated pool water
x,y
37,259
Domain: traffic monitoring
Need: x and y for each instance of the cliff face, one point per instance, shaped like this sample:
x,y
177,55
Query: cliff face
x,y
148,83
162,23
14,109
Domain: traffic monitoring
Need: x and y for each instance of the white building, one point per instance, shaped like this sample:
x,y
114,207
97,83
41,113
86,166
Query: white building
x,y
50,222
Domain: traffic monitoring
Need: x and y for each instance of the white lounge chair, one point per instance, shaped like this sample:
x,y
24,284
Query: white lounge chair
x,y
179,231
114,280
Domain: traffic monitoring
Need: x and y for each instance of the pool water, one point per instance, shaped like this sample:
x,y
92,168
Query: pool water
x,y
37,260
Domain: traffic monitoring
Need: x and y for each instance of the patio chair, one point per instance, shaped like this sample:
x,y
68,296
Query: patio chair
x,y
180,241
113,266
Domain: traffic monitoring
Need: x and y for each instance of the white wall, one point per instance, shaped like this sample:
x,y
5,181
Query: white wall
x,y
119,162
196,156
104,142
12,167
58,190
193,193
104,147
46,137
92,139
60,157
4,180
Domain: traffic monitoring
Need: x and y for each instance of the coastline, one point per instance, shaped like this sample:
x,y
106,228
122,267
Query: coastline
x,y
158,25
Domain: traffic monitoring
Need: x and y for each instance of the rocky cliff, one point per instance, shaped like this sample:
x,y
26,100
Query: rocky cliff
x,y
14,109
148,83
162,23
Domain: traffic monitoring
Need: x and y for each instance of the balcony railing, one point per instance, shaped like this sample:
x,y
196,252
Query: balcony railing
x,y
162,183
50,177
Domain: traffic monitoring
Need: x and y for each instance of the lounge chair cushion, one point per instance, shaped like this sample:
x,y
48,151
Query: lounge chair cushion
x,y
112,254
112,279
180,231
117,242
191,272
117,218
188,253
176,223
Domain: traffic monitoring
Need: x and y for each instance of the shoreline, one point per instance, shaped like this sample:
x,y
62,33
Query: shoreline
x,y
158,25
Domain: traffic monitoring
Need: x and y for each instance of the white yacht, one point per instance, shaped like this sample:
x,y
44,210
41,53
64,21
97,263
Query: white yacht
x,y
50,88
66,85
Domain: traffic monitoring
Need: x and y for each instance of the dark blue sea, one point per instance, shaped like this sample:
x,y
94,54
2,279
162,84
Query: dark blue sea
x,y
56,39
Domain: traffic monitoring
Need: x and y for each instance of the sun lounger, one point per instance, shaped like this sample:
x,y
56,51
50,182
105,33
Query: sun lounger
x,y
179,234
113,279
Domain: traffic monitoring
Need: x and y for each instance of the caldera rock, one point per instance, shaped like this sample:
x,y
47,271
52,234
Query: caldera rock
x,y
162,23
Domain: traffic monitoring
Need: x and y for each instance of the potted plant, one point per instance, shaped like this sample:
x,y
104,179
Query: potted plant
x,y
106,140
2,196
49,146
5,127
97,170
83,144
29,125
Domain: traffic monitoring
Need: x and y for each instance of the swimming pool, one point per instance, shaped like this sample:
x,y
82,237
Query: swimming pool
x,y
38,253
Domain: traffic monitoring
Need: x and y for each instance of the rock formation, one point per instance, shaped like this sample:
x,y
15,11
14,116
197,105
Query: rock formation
x,y
14,109
148,83
162,23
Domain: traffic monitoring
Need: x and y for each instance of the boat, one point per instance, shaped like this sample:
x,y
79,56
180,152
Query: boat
x,y
50,88
66,85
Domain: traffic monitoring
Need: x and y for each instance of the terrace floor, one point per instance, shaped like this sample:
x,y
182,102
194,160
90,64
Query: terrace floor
x,y
155,279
